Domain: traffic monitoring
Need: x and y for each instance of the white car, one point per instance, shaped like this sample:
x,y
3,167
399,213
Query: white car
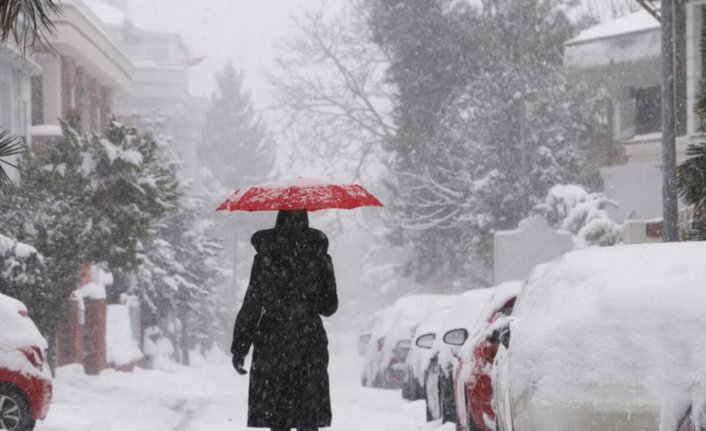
x,y
461,321
391,338
606,338
424,336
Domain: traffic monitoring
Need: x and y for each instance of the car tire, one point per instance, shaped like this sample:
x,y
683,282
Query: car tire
x,y
15,411
686,424
430,416
378,381
470,423
446,399
408,388
418,389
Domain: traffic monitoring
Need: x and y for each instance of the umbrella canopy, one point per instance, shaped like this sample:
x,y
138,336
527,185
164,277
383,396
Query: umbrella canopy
x,y
299,194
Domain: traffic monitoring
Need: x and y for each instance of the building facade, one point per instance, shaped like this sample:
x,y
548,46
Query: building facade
x,y
624,56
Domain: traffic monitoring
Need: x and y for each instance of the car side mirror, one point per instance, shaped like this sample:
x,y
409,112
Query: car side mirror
x,y
500,336
426,341
456,337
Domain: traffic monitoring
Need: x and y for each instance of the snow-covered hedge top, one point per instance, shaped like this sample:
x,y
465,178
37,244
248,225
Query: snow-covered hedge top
x,y
623,322
19,249
18,331
464,314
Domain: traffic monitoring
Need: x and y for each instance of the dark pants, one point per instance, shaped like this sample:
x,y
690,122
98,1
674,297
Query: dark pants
x,y
298,429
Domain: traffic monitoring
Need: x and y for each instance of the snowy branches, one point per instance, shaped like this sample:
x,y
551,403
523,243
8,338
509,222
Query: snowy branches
x,y
332,88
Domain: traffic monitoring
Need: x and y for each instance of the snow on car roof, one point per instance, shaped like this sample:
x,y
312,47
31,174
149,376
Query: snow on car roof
x,y
501,294
465,310
18,331
463,314
626,318
435,316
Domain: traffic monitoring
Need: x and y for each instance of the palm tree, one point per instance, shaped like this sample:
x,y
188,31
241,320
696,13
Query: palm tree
x,y
29,24
9,146
691,183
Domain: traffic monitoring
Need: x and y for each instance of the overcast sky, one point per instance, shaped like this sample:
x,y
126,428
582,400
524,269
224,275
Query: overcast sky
x,y
243,31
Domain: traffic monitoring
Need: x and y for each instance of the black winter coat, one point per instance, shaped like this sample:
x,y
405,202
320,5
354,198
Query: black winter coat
x,y
291,285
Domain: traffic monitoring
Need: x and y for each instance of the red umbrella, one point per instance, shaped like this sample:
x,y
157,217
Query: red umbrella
x,y
299,194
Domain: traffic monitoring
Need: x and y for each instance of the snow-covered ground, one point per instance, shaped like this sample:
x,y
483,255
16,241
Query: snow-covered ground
x,y
211,396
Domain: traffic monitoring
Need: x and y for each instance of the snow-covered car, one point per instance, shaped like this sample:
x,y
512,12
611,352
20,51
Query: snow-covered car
x,y
472,380
438,381
385,358
606,338
422,341
25,382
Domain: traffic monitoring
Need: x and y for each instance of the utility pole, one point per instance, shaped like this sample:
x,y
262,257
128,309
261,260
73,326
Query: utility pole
x,y
522,44
670,209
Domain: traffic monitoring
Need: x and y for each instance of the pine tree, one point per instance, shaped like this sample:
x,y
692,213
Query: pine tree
x,y
130,190
236,146
238,152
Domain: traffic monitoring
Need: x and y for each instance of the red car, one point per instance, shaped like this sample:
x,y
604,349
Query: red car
x,y
25,382
472,382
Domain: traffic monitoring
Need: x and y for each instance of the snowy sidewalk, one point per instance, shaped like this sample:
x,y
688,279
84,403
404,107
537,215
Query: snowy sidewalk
x,y
210,396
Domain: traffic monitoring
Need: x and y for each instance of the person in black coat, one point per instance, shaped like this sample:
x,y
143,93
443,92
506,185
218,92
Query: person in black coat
x,y
291,285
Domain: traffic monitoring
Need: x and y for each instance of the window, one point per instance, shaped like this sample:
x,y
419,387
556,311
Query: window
x,y
37,101
648,110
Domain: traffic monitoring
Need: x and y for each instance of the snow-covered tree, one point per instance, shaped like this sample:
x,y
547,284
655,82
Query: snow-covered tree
x,y
236,146
131,189
50,210
330,84
487,123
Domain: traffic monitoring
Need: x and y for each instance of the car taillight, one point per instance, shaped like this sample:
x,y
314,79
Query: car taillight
x,y
34,356
23,313
381,343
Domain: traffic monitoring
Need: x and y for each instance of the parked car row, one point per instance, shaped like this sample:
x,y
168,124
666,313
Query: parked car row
x,y
418,342
25,381
602,338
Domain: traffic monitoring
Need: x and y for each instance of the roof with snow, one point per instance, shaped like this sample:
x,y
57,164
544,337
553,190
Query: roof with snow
x,y
628,40
109,15
632,23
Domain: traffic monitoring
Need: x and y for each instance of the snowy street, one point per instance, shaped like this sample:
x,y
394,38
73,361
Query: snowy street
x,y
211,396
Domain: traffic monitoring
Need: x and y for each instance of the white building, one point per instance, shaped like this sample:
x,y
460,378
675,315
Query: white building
x,y
625,56
83,71
158,97
16,95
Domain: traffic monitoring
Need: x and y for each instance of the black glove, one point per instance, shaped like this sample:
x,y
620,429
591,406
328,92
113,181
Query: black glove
x,y
238,365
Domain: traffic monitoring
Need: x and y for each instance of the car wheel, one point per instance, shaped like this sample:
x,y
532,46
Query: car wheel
x,y
408,389
446,398
378,381
686,424
427,401
470,423
419,389
15,412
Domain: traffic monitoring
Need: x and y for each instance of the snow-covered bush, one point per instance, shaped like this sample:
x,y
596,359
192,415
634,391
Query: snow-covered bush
x,y
570,207
20,264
